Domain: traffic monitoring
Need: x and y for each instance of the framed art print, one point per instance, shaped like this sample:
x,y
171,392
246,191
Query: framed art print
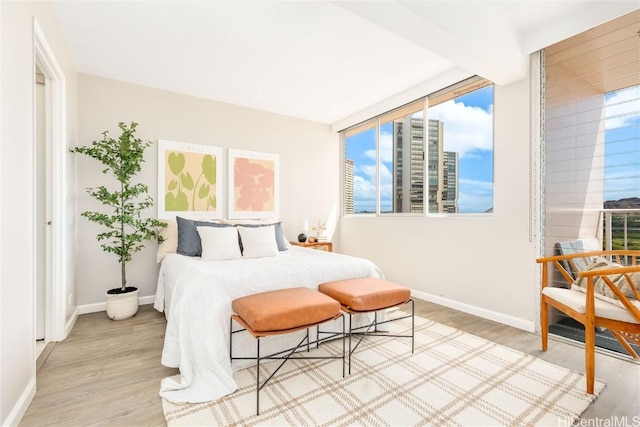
x,y
253,184
189,180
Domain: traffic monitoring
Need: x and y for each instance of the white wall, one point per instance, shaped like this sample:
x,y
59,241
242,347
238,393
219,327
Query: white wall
x,y
308,164
17,193
484,264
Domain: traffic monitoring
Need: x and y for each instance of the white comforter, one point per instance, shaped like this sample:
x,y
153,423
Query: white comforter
x,y
196,297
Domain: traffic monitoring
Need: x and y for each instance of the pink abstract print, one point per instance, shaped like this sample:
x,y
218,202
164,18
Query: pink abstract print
x,y
254,185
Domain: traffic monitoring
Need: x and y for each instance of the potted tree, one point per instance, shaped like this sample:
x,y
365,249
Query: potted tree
x,y
126,229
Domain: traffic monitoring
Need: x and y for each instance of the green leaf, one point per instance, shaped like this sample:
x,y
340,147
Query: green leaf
x,y
176,162
209,168
178,202
169,202
204,191
182,203
212,201
172,185
186,180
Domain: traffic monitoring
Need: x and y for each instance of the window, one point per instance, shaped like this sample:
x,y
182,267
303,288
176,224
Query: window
x,y
360,156
401,162
622,168
390,168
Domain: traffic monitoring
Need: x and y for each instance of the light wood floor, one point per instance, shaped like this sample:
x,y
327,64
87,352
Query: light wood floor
x,y
108,373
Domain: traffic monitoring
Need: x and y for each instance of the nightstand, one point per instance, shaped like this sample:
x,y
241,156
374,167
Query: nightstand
x,y
321,246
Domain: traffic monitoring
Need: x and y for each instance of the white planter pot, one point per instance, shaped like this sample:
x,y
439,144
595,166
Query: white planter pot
x,y
122,306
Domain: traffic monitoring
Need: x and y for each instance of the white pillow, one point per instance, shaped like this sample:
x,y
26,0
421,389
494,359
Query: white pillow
x,y
170,235
219,243
258,242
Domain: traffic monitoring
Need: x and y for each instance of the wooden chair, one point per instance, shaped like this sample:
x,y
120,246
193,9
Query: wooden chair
x,y
621,316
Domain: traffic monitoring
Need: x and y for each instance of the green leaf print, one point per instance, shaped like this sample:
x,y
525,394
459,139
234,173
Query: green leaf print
x,y
176,162
186,180
204,191
169,202
182,203
209,168
176,203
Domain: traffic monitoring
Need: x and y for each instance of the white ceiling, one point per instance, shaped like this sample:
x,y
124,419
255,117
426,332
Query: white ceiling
x,y
317,60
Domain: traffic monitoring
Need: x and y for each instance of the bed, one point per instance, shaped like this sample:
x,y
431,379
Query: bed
x,y
196,295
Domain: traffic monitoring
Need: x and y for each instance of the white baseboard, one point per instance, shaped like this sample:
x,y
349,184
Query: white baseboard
x,y
18,411
516,322
71,322
102,306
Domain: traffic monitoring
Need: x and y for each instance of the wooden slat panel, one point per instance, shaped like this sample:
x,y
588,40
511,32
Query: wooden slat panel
x,y
603,59
609,44
457,90
403,111
629,19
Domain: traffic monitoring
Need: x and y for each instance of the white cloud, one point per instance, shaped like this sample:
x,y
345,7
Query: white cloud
x,y
466,129
370,154
478,185
363,189
386,148
364,182
386,182
475,196
622,107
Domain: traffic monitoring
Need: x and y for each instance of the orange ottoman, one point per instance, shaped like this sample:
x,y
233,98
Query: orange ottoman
x,y
281,312
369,295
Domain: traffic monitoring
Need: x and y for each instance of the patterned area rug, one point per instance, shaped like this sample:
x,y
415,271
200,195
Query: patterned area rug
x,y
453,378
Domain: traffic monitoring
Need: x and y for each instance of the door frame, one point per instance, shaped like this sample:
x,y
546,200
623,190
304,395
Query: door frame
x,y
55,137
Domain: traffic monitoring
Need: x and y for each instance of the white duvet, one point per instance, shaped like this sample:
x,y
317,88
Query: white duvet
x,y
196,297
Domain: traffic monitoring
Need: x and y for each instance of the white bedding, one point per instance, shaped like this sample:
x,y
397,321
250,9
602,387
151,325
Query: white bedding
x,y
196,298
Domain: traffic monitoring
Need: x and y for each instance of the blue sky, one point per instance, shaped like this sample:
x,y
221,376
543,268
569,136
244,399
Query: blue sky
x,y
622,144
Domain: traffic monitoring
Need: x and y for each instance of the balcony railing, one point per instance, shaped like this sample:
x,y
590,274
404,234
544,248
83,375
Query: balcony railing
x,y
621,228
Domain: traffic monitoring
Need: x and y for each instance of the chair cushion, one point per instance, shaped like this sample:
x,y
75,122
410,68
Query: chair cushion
x,y
366,294
285,309
577,301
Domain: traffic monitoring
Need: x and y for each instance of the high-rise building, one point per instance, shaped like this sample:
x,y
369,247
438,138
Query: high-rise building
x,y
450,182
408,170
441,166
408,165
348,186
434,161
